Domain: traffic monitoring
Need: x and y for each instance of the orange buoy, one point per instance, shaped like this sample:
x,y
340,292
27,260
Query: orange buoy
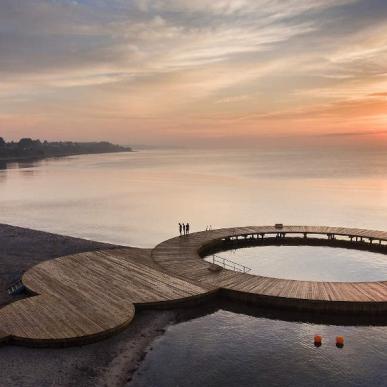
x,y
317,340
339,341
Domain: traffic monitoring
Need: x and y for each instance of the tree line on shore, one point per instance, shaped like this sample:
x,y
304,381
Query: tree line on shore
x,y
29,148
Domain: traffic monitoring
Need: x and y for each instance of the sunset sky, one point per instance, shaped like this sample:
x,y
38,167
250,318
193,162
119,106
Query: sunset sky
x,y
202,72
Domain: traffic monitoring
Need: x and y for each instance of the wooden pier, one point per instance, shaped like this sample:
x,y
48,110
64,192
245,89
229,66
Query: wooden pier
x,y
88,296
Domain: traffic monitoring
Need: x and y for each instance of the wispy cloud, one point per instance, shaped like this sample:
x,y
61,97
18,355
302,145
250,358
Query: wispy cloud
x,y
352,134
199,65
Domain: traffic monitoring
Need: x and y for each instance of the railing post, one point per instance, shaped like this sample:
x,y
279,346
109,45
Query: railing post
x,y
227,263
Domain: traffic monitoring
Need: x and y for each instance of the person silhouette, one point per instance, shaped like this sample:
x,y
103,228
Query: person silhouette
x,y
180,228
184,230
187,228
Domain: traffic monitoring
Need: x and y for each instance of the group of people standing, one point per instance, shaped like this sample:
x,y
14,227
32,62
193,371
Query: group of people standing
x,y
183,229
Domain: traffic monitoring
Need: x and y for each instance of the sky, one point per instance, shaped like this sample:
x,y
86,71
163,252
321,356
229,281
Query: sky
x,y
203,72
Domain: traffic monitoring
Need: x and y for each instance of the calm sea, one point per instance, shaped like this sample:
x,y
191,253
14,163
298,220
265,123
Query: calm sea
x,y
138,198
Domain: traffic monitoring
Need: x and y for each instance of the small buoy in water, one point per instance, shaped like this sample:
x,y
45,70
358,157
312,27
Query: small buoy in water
x,y
339,341
317,341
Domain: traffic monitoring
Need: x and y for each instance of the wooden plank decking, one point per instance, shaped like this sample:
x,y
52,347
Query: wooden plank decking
x,y
180,256
88,296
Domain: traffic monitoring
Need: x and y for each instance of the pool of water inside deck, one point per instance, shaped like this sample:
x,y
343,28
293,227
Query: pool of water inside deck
x,y
310,263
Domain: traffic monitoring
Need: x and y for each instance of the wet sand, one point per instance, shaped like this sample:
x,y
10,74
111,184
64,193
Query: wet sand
x,y
110,362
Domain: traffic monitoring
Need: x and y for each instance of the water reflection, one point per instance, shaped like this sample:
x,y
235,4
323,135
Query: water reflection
x,y
220,302
239,346
21,164
27,172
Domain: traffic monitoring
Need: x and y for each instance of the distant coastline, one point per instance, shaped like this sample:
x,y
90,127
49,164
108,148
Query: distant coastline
x,y
28,149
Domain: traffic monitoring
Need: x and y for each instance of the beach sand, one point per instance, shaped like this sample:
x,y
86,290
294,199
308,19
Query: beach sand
x,y
110,362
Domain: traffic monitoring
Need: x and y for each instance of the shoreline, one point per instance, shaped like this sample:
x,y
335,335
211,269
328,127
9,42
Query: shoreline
x,y
110,362
36,158
147,326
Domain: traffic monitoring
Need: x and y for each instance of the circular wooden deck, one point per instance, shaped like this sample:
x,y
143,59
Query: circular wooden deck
x,y
85,297
182,256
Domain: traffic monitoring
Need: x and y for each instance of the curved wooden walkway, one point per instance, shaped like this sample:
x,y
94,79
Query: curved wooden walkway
x,y
85,297
181,256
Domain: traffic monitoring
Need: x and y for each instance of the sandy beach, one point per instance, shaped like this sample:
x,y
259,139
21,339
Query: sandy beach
x,y
110,362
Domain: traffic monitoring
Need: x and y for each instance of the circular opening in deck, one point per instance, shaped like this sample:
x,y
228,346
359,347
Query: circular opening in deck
x,y
311,256
308,263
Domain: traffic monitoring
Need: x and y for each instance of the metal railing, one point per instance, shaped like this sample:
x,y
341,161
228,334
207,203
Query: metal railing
x,y
228,264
